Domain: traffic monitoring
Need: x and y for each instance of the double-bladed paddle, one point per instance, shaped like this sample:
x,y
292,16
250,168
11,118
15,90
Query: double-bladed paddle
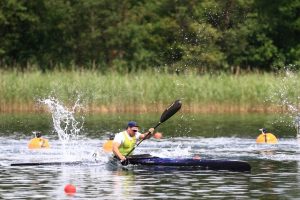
x,y
169,112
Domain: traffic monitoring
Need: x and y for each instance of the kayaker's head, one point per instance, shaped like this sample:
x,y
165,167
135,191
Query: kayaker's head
x,y
37,134
111,136
263,130
132,128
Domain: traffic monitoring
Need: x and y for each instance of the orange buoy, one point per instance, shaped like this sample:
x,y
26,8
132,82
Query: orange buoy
x,y
266,138
157,135
108,145
38,143
70,189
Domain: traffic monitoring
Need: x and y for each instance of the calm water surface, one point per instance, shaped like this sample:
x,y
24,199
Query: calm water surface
x,y
275,168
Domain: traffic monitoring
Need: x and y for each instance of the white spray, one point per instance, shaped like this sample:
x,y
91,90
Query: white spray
x,y
65,124
289,84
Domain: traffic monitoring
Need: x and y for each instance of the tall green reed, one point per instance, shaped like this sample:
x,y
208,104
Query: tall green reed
x,y
146,88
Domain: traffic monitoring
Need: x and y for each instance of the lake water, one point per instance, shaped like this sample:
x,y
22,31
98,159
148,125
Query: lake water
x,y
275,168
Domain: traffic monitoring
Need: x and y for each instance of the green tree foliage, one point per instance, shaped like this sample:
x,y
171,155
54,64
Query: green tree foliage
x,y
129,35
280,24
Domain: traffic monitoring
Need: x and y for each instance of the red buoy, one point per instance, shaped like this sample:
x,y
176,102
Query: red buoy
x,y
157,135
70,189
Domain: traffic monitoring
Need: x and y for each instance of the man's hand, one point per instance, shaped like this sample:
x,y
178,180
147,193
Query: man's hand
x,y
149,133
151,130
122,158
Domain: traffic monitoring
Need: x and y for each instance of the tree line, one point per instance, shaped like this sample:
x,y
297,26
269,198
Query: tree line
x,y
129,35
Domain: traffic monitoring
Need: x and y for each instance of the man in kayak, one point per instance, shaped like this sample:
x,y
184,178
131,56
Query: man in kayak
x,y
125,141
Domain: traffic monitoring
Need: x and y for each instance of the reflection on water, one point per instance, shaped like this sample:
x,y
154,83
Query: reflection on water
x,y
181,124
275,168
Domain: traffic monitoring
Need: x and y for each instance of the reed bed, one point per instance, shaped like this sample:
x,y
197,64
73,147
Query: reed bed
x,y
148,91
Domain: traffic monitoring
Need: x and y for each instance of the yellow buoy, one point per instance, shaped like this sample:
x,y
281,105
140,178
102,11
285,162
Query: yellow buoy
x,y
267,138
107,146
38,143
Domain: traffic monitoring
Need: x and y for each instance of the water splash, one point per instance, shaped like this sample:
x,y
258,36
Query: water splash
x,y
286,96
297,125
65,124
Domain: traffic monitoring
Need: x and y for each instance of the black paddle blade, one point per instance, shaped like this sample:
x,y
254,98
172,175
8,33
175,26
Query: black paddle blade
x,y
170,111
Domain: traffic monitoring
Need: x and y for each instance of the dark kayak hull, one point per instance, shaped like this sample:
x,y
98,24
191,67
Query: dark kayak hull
x,y
47,163
189,162
201,164
165,163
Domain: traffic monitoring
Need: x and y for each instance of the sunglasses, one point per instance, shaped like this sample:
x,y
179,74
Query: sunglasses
x,y
134,130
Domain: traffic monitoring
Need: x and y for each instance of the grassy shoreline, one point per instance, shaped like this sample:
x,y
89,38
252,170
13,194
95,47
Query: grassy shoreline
x,y
33,108
149,91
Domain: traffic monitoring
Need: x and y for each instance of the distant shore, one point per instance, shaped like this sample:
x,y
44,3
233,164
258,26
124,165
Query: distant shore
x,y
149,91
33,108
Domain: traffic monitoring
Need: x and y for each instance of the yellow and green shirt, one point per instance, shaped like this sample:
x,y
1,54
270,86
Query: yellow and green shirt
x,y
126,141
